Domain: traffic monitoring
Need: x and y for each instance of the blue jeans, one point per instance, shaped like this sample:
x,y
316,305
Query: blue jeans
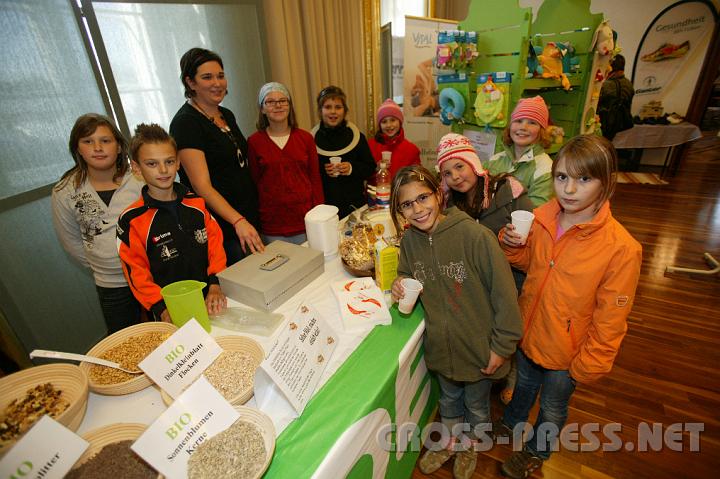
x,y
294,239
467,402
119,307
557,387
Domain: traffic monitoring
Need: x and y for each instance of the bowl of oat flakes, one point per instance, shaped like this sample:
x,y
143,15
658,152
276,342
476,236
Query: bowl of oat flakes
x,y
128,347
59,390
233,371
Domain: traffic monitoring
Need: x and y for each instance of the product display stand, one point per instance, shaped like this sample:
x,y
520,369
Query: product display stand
x,y
505,33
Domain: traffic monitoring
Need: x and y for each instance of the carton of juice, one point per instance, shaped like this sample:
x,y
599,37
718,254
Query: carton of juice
x,y
386,264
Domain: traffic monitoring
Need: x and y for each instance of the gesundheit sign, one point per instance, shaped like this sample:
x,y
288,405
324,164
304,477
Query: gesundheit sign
x,y
671,53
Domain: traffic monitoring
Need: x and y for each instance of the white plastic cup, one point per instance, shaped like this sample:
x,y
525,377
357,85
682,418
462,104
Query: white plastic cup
x,y
386,156
335,160
522,221
412,288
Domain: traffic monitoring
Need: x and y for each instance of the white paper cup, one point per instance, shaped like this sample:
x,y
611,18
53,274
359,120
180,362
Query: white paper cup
x,y
335,160
386,156
522,221
412,289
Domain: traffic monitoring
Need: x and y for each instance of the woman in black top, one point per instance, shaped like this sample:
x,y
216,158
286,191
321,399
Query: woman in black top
x,y
344,183
213,153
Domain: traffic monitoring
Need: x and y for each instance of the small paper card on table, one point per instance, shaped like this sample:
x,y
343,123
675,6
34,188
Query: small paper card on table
x,y
295,363
182,358
196,415
362,303
48,450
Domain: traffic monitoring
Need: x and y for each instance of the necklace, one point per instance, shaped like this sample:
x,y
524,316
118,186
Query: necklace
x,y
225,129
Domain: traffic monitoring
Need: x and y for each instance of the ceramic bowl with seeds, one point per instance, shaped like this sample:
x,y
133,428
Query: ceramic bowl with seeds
x,y
60,390
233,372
242,451
128,347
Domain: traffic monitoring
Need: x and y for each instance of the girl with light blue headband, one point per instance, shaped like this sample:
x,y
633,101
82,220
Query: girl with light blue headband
x,y
284,166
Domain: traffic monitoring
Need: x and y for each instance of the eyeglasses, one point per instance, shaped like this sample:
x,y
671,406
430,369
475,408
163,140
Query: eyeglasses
x,y
276,103
422,200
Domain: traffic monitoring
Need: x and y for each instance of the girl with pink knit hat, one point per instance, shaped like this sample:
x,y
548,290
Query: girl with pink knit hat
x,y
488,199
391,137
524,157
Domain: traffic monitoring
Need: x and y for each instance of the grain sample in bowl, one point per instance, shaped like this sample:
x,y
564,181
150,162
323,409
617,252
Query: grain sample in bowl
x,y
128,354
115,460
237,452
232,373
22,413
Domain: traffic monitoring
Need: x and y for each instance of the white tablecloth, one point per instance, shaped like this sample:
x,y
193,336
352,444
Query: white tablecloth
x,y
656,136
146,405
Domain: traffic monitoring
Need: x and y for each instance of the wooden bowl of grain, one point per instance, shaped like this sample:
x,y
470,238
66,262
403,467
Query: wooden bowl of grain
x,y
232,376
69,379
111,434
102,436
245,449
128,347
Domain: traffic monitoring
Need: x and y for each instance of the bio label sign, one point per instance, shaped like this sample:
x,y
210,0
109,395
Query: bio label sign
x,y
196,415
182,358
48,450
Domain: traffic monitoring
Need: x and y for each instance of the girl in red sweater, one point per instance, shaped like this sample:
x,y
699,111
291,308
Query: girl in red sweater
x,y
391,137
284,165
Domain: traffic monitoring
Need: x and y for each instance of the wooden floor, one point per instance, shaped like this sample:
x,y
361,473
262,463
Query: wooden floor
x,y
668,368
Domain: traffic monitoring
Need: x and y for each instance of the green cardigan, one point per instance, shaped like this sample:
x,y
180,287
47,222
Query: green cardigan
x,y
533,169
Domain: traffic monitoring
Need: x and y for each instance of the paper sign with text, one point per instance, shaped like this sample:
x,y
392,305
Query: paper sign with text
x,y
197,414
298,357
483,142
48,450
182,358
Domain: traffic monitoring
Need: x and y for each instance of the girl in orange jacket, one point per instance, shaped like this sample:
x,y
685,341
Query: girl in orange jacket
x,y
582,270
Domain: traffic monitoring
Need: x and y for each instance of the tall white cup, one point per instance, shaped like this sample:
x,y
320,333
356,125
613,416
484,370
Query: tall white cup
x,y
522,221
412,288
335,160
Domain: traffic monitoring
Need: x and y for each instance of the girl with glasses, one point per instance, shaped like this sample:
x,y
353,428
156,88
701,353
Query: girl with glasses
x,y
472,318
284,166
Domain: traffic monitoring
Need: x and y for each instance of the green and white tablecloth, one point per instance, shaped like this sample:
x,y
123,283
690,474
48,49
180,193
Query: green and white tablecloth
x,y
384,385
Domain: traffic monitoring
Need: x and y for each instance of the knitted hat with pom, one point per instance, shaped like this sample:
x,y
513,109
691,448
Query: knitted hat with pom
x,y
389,108
454,146
533,109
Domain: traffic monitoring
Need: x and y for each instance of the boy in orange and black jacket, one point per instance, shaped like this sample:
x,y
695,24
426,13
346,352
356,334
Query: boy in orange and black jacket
x,y
168,234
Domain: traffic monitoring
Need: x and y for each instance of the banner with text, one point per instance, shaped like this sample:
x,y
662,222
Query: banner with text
x,y
421,103
670,56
